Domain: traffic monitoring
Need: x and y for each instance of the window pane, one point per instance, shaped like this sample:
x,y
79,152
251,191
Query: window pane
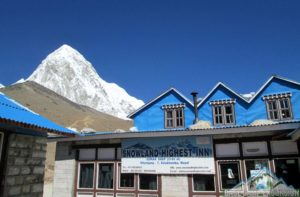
x,y
179,117
219,119
126,179
273,111
274,107
218,114
230,176
270,106
203,182
258,175
288,170
169,114
228,109
105,175
170,123
275,115
218,110
285,109
148,181
229,114
86,175
285,114
229,119
169,118
282,104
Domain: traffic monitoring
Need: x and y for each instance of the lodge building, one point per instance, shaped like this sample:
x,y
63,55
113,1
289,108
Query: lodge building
x,y
222,143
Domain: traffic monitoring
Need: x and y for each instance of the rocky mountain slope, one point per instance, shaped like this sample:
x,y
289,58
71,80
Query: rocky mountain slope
x,y
61,110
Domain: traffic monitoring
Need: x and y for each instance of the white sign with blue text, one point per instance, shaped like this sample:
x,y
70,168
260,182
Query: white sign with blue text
x,y
168,155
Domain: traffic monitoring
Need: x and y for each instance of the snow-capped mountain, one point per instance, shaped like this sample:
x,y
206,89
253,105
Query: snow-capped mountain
x,y
1,85
68,73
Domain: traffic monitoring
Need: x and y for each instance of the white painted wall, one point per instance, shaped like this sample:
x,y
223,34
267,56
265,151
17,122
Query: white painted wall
x,y
64,171
175,186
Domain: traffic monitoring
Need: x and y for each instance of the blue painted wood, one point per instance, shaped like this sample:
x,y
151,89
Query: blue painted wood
x,y
257,109
222,93
152,117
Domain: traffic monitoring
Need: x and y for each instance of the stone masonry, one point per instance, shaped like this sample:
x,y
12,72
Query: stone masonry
x,y
25,166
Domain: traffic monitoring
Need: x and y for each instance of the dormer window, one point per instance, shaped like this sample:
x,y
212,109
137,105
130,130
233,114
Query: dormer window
x,y
223,112
174,115
278,106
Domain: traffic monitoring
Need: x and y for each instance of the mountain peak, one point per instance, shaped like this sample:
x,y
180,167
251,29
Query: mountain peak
x,y
65,46
65,49
68,73
66,52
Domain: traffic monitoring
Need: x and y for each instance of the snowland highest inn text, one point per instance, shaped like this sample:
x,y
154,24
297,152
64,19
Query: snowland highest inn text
x,y
224,144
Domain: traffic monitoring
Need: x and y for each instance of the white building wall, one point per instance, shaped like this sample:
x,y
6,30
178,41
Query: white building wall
x,y
175,186
64,176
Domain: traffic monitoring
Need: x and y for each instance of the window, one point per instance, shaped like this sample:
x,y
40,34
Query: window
x,y
126,180
203,182
229,174
148,182
86,175
288,170
174,115
223,112
258,175
278,106
105,175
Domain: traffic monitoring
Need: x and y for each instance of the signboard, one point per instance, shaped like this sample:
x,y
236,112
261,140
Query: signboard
x,y
168,155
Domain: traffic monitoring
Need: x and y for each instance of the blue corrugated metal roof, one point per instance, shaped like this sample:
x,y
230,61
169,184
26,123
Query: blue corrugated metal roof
x,y
14,111
187,129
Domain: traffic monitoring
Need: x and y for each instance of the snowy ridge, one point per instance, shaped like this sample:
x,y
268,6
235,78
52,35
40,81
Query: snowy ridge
x,y
22,80
68,73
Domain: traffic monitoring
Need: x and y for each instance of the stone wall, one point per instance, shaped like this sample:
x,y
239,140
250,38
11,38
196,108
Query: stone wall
x,y
25,166
64,170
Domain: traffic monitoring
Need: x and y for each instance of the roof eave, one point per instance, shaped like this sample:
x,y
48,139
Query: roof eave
x,y
34,127
196,132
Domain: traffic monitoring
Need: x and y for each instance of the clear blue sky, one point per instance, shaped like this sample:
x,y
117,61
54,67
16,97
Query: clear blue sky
x,y
147,46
